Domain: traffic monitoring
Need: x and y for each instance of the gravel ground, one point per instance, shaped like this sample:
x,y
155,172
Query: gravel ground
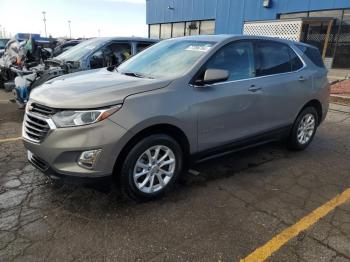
x,y
341,88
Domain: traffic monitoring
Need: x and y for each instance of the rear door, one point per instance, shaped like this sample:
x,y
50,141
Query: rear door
x,y
283,80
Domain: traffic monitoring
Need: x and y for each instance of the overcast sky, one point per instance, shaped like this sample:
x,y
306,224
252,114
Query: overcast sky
x,y
112,17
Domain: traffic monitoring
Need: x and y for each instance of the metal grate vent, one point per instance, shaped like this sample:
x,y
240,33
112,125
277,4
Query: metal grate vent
x,y
290,30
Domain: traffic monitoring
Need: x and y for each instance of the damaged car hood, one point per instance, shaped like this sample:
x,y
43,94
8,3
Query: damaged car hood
x,y
92,89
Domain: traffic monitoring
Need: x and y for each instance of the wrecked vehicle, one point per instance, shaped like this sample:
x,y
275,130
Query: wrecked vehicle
x,y
22,55
90,54
3,42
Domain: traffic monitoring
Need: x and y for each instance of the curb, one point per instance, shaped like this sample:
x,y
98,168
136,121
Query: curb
x,y
340,99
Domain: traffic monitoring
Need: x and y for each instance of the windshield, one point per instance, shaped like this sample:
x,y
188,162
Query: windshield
x,y
3,43
77,52
166,59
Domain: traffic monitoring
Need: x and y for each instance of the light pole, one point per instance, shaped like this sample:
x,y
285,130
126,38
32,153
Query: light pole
x,y
0,31
44,13
70,30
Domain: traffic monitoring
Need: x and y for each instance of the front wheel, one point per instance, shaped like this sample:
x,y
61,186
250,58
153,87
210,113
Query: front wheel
x,y
304,129
151,167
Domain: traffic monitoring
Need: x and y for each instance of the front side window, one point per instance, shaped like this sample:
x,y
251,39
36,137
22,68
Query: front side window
x,y
272,58
142,46
170,58
237,58
110,55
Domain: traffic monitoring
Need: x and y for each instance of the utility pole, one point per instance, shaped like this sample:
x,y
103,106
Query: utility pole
x,y
70,30
44,13
0,31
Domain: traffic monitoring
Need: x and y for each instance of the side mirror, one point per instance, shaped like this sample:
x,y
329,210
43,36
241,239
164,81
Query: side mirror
x,y
212,76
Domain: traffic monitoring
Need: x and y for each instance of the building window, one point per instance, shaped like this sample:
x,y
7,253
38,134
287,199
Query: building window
x,y
207,27
192,28
178,29
154,31
165,31
339,41
342,49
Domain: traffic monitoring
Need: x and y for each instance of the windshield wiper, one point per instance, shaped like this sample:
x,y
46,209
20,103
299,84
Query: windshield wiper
x,y
134,74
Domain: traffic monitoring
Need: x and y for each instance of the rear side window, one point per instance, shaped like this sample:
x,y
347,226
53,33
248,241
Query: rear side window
x,y
313,54
295,61
272,58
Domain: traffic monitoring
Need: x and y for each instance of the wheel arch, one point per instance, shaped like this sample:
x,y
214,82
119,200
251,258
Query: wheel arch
x,y
317,105
167,129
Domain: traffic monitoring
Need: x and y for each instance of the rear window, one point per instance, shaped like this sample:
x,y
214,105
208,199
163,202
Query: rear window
x,y
313,54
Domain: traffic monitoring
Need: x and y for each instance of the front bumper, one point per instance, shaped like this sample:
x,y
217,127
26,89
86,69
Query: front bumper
x,y
58,153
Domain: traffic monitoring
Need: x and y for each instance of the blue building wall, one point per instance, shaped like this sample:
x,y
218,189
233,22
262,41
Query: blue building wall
x,y
231,14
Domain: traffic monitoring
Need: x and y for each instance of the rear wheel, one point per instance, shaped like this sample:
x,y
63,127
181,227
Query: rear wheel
x,y
151,167
304,129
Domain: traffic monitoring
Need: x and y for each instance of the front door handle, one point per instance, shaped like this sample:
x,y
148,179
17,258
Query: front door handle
x,y
302,78
254,88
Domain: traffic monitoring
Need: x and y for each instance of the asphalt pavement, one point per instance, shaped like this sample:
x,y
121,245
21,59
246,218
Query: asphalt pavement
x,y
236,205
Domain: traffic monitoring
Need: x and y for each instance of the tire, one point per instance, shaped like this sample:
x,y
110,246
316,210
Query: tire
x,y
306,123
138,167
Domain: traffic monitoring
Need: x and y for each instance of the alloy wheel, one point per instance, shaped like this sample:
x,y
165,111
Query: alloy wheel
x,y
154,169
306,128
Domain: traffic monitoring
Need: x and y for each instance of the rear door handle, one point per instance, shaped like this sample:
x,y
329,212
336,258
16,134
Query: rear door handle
x,y
301,78
254,88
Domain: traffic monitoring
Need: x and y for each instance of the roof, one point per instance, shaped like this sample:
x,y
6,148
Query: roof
x,y
214,38
132,38
231,37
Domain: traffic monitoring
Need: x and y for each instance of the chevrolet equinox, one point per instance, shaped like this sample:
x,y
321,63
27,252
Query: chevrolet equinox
x,y
180,100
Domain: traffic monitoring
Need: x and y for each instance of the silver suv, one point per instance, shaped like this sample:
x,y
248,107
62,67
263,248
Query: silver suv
x,y
179,101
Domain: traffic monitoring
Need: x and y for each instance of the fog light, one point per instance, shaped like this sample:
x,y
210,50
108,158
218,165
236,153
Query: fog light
x,y
88,159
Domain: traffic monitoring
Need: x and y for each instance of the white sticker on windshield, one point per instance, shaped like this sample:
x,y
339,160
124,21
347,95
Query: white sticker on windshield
x,y
198,48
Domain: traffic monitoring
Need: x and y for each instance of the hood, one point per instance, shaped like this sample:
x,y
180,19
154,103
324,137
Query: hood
x,y
92,89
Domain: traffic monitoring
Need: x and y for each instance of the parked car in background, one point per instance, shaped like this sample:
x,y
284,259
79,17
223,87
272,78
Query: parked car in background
x,y
3,42
182,100
91,54
101,52
65,46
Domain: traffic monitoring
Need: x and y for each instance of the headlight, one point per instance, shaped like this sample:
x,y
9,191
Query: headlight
x,y
69,118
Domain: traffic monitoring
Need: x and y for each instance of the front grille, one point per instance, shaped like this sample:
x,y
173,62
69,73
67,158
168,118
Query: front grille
x,y
36,122
38,163
42,110
35,128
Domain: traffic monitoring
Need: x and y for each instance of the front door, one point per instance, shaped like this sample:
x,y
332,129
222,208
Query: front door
x,y
231,110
